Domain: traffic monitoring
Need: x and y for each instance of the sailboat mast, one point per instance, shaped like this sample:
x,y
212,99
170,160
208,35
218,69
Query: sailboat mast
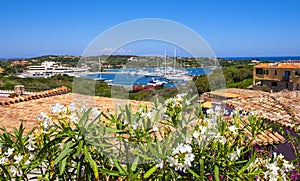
x,y
174,61
165,62
100,68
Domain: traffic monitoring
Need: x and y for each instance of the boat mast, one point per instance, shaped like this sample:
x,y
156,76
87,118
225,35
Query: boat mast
x,y
174,61
100,68
165,62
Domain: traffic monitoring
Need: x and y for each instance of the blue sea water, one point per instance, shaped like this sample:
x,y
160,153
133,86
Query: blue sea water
x,y
272,59
128,79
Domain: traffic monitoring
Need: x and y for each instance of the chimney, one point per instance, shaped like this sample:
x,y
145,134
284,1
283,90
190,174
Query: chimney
x,y
19,89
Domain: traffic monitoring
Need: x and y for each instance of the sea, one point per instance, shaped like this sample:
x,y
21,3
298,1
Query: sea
x,y
271,59
129,79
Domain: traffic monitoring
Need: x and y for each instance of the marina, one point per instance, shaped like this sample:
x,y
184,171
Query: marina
x,y
129,77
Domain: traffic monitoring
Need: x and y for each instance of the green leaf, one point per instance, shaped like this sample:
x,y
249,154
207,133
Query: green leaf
x,y
216,172
5,171
135,163
193,173
110,172
64,153
91,161
201,169
150,171
79,148
244,168
62,165
46,148
119,167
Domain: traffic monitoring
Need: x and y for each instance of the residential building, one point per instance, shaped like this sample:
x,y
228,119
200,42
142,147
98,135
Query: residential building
x,y
278,76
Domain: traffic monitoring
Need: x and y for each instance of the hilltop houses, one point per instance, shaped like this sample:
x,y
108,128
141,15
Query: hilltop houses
x,y
278,76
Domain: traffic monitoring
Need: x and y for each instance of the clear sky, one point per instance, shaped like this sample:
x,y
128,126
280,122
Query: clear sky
x,y
231,27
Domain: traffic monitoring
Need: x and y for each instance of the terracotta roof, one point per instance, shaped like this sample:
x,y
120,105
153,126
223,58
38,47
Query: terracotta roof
x,y
291,101
12,114
264,105
265,138
267,108
278,65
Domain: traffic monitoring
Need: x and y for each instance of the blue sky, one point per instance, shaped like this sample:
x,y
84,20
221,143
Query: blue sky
x,y
231,27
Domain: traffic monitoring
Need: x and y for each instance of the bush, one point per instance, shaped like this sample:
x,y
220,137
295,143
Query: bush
x,y
169,141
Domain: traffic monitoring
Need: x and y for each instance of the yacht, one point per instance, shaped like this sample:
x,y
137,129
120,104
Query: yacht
x,y
49,69
156,83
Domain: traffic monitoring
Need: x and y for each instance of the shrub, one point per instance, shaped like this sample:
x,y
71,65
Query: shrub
x,y
168,141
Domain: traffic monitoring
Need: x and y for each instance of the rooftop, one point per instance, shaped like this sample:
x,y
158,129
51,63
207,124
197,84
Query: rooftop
x,y
26,109
281,107
278,65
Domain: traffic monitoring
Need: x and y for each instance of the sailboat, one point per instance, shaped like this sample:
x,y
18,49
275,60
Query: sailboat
x,y
99,74
175,75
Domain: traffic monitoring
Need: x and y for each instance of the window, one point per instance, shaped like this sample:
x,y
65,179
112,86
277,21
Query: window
x,y
259,71
267,72
275,72
274,84
297,73
287,85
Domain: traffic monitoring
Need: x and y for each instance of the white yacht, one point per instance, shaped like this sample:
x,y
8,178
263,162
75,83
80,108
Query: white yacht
x,y
49,69
156,83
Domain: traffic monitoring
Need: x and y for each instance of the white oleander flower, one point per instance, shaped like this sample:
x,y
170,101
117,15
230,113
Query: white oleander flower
x,y
57,108
188,102
188,159
9,152
233,129
18,158
287,166
209,111
235,155
30,147
203,129
273,167
16,172
95,112
196,134
225,112
160,163
155,128
3,160
27,162
220,138
72,107
31,156
218,108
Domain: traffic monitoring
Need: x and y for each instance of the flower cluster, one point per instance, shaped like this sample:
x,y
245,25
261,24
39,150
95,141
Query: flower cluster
x,y
176,102
181,158
44,121
275,168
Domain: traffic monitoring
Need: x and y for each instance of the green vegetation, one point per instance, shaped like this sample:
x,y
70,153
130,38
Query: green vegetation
x,y
237,74
75,143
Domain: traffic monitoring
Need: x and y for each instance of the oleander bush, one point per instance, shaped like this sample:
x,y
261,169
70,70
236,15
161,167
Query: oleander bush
x,y
173,140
